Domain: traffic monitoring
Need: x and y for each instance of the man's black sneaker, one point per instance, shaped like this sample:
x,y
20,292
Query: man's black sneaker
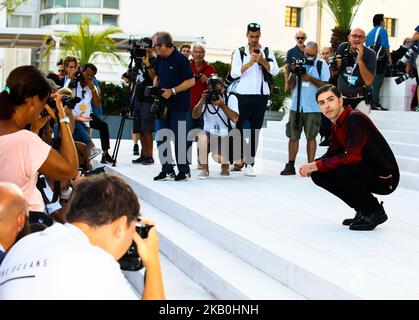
x,y
139,160
370,221
165,176
148,161
106,158
288,171
135,150
379,107
348,222
182,176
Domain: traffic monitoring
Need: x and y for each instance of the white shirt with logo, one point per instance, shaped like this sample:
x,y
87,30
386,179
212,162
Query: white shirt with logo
x,y
61,263
212,121
86,96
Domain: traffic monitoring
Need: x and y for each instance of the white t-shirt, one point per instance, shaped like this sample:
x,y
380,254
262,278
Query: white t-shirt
x,y
61,263
85,105
21,155
212,121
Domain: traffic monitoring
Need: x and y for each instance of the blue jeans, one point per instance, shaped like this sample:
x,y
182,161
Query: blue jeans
x,y
180,123
81,133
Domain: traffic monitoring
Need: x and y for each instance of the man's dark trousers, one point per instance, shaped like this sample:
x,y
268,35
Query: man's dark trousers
x,y
98,124
183,154
255,106
354,184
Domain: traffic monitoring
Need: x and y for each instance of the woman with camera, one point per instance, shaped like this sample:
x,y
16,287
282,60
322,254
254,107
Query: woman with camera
x,y
22,153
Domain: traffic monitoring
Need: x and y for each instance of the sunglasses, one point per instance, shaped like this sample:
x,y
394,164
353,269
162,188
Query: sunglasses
x,y
253,27
61,70
300,38
357,36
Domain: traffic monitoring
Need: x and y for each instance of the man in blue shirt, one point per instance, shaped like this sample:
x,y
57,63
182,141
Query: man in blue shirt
x,y
13,212
174,78
307,114
377,39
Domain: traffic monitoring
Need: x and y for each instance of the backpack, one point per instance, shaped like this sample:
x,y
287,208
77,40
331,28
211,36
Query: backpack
x,y
266,75
380,52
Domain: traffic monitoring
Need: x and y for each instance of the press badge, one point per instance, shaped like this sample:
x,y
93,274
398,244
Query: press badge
x,y
305,84
352,80
217,128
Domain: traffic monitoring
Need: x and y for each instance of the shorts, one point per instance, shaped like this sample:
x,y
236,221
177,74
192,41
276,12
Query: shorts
x,y
309,121
143,121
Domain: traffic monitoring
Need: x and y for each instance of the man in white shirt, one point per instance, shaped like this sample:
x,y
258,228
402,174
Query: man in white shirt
x,y
254,64
13,212
78,260
219,117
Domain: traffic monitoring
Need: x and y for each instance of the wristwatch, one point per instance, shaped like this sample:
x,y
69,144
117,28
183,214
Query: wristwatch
x,y
65,119
174,91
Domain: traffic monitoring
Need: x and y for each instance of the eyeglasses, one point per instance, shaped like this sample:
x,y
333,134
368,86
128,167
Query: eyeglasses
x,y
253,27
156,45
300,38
357,36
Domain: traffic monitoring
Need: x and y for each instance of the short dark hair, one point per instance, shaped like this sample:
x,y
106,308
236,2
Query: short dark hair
x,y
22,83
378,18
102,199
60,62
164,38
90,66
327,88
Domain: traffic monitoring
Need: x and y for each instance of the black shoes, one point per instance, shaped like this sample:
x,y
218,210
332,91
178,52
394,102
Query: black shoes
x,y
165,176
145,160
348,222
135,150
288,171
106,158
379,107
183,176
370,221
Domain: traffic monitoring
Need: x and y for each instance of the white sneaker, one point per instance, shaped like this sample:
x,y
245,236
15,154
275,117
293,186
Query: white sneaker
x,y
94,152
249,171
204,174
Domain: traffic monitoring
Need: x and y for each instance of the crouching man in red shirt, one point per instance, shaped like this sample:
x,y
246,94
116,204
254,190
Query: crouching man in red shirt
x,y
358,163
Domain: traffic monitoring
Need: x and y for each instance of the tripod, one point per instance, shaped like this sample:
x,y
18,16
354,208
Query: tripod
x,y
126,110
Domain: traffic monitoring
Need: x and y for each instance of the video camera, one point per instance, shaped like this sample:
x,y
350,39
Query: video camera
x,y
139,47
297,67
131,261
213,93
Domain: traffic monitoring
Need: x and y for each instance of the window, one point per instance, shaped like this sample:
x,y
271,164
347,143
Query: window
x,y
111,4
46,19
16,21
74,18
92,3
110,20
60,3
293,17
50,4
390,26
74,3
93,18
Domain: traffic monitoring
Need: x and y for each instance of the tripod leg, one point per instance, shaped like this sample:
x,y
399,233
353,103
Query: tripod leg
x,y
118,139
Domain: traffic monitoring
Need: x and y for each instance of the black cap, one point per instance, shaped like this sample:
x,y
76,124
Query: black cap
x,y
253,26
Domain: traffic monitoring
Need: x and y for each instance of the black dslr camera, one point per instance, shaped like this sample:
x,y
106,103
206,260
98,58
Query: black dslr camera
x,y
213,93
332,62
139,47
79,76
67,101
131,261
298,67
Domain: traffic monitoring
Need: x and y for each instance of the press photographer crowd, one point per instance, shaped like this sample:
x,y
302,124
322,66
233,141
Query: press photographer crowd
x,y
61,216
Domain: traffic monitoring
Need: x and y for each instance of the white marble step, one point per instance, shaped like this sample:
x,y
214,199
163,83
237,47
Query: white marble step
x,y
290,229
390,115
217,270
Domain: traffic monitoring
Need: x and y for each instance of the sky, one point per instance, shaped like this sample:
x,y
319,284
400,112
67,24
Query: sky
x,y
221,22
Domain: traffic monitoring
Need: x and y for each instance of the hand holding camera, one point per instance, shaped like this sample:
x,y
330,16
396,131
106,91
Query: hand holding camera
x,y
147,242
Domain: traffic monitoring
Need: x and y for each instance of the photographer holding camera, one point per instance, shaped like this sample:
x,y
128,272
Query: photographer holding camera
x,y
143,123
307,76
23,153
82,85
355,68
254,65
174,77
217,113
78,260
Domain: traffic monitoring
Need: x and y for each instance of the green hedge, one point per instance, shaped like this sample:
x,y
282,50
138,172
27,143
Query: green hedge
x,y
114,97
